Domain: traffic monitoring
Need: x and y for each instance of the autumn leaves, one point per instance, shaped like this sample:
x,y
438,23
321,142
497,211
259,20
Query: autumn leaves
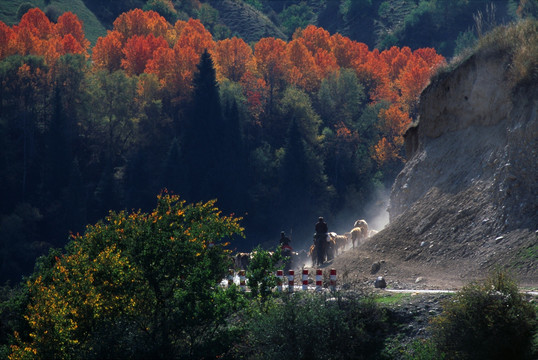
x,y
144,42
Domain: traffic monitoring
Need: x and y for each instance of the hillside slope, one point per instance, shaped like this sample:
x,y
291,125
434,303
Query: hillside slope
x,y
93,28
246,21
467,200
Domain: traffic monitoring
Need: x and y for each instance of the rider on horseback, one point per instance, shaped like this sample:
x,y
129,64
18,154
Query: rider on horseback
x,y
321,239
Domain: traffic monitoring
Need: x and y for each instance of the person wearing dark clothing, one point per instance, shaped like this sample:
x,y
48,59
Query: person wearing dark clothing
x,y
321,226
321,240
286,250
284,240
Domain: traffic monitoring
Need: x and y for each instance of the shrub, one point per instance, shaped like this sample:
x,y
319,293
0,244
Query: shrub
x,y
53,13
311,326
136,286
489,320
165,8
261,272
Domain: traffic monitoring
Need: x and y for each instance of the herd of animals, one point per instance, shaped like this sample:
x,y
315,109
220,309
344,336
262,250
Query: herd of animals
x,y
336,245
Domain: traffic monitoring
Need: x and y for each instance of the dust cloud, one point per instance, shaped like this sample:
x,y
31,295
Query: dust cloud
x,y
375,213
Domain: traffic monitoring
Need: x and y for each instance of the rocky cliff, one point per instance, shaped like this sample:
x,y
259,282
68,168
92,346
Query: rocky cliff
x,y
467,199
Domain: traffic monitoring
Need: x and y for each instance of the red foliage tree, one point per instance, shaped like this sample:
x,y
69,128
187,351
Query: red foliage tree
x,y
256,92
138,50
37,23
314,38
303,69
195,36
68,23
6,40
141,23
393,123
107,52
326,63
348,53
271,62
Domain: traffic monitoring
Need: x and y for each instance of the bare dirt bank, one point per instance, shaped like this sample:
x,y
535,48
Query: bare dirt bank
x,y
467,200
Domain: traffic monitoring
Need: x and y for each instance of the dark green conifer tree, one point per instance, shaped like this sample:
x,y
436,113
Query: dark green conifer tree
x,y
202,135
174,174
75,201
139,190
303,184
106,195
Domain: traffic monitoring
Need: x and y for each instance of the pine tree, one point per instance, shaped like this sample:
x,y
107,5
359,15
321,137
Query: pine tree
x,y
174,175
303,182
203,133
75,204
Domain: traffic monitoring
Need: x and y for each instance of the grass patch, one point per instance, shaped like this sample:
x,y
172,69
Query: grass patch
x,y
92,27
392,298
529,253
525,256
518,41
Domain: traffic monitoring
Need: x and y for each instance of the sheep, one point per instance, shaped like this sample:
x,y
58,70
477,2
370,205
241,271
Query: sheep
x,y
340,242
363,225
242,260
356,236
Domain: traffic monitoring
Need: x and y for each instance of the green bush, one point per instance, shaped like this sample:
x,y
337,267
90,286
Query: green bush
x,y
489,320
312,326
261,272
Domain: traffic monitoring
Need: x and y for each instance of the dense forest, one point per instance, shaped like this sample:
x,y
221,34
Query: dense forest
x,y
280,132
138,162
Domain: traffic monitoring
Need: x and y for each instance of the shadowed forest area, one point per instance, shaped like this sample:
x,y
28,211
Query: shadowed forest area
x,y
280,132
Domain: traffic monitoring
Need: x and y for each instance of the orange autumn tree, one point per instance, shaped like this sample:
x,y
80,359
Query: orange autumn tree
x,y
108,52
69,24
314,38
271,64
256,91
326,63
6,36
138,50
37,23
36,35
175,67
195,36
141,23
130,45
414,77
374,75
232,57
348,53
392,125
33,30
303,71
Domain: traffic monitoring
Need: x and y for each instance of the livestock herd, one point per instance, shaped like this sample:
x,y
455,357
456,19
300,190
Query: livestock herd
x,y
335,245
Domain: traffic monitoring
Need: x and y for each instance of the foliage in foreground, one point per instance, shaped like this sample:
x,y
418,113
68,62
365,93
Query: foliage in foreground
x,y
145,286
135,286
489,320
314,326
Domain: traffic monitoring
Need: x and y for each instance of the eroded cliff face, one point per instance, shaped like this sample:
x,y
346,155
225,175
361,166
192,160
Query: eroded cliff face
x,y
474,131
470,187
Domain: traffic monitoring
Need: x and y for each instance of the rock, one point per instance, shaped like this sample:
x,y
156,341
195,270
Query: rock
x,y
419,279
375,267
380,283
